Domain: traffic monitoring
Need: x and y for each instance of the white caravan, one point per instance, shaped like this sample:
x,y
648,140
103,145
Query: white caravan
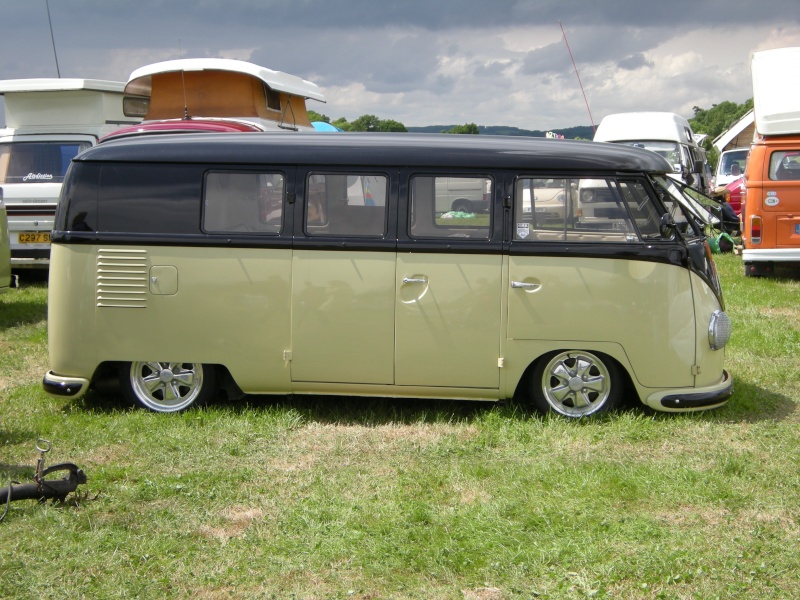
x,y
48,123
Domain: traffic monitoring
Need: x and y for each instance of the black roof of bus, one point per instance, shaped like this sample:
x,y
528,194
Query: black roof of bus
x,y
380,149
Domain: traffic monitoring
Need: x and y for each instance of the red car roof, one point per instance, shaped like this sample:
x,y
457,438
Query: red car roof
x,y
183,126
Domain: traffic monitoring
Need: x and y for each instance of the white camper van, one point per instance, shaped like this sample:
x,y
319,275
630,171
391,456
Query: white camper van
x,y
664,133
48,122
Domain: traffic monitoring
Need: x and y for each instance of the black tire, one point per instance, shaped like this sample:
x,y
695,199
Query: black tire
x,y
758,269
462,205
167,387
576,383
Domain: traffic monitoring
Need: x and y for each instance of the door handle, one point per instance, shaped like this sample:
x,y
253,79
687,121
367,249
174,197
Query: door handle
x,y
415,280
522,285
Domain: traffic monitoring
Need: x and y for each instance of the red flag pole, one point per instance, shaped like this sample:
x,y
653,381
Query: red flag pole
x,y
578,76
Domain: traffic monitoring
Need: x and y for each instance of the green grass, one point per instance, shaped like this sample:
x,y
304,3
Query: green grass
x,y
375,498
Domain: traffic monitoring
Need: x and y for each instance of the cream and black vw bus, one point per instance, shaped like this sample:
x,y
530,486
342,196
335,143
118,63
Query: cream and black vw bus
x,y
191,265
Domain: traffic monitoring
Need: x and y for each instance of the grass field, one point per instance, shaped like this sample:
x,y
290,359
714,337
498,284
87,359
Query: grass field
x,y
375,498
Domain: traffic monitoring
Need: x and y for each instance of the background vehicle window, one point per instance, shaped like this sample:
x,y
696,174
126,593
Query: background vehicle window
x,y
450,207
37,162
346,205
583,210
243,203
785,165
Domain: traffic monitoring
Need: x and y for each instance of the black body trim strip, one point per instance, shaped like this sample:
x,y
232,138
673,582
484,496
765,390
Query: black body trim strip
x,y
32,253
689,400
30,211
666,253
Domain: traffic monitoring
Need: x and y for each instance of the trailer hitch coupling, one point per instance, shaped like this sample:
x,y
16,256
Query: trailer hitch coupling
x,y
44,489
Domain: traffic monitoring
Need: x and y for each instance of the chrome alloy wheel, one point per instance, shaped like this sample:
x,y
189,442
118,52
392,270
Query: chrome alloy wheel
x,y
166,386
577,384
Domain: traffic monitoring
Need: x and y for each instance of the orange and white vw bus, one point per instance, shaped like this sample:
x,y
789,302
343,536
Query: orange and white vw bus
x,y
771,213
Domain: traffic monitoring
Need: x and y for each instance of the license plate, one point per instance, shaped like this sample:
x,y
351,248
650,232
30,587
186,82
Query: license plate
x,y
40,237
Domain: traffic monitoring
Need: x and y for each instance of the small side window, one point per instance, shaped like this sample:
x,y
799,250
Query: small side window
x,y
784,165
450,207
273,98
245,203
350,205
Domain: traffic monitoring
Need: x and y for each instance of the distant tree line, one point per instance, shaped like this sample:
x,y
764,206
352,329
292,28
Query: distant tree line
x,y
362,123
373,123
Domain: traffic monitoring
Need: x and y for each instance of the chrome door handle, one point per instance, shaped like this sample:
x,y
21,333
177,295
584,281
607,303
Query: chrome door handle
x,y
414,280
525,286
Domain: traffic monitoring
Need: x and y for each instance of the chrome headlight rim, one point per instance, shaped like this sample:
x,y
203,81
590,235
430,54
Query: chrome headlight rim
x,y
719,330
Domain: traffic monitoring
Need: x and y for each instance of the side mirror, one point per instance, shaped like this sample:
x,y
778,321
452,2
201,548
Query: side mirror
x,y
698,166
666,227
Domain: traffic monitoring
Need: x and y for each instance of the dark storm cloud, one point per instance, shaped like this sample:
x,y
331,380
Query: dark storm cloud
x,y
448,14
104,19
382,63
634,61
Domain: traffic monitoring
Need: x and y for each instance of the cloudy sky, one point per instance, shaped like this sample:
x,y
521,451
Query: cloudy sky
x,y
427,62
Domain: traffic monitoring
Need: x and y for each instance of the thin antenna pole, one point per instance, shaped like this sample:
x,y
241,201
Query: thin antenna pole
x,y
183,84
52,38
578,76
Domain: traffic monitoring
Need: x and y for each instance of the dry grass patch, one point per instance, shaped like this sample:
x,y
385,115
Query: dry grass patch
x,y
320,443
236,520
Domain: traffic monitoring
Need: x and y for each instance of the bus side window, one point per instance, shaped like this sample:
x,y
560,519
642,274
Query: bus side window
x,y
542,208
450,207
784,165
641,207
236,202
340,204
583,210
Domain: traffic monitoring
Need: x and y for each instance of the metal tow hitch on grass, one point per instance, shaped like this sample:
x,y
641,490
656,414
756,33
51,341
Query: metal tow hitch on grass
x,y
43,489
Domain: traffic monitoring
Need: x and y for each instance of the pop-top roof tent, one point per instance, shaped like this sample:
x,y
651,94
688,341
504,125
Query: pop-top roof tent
x,y
63,105
221,88
740,134
776,91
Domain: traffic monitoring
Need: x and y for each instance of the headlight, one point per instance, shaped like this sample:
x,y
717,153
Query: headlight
x,y
719,330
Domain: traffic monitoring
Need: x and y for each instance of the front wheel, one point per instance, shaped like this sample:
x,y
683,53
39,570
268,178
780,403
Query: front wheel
x,y
576,384
167,386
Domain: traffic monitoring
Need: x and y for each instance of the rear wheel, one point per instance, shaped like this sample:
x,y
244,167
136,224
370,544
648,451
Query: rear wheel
x,y
576,384
462,205
758,269
167,386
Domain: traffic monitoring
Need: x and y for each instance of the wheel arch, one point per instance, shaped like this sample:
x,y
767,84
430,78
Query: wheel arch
x,y
106,379
629,389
